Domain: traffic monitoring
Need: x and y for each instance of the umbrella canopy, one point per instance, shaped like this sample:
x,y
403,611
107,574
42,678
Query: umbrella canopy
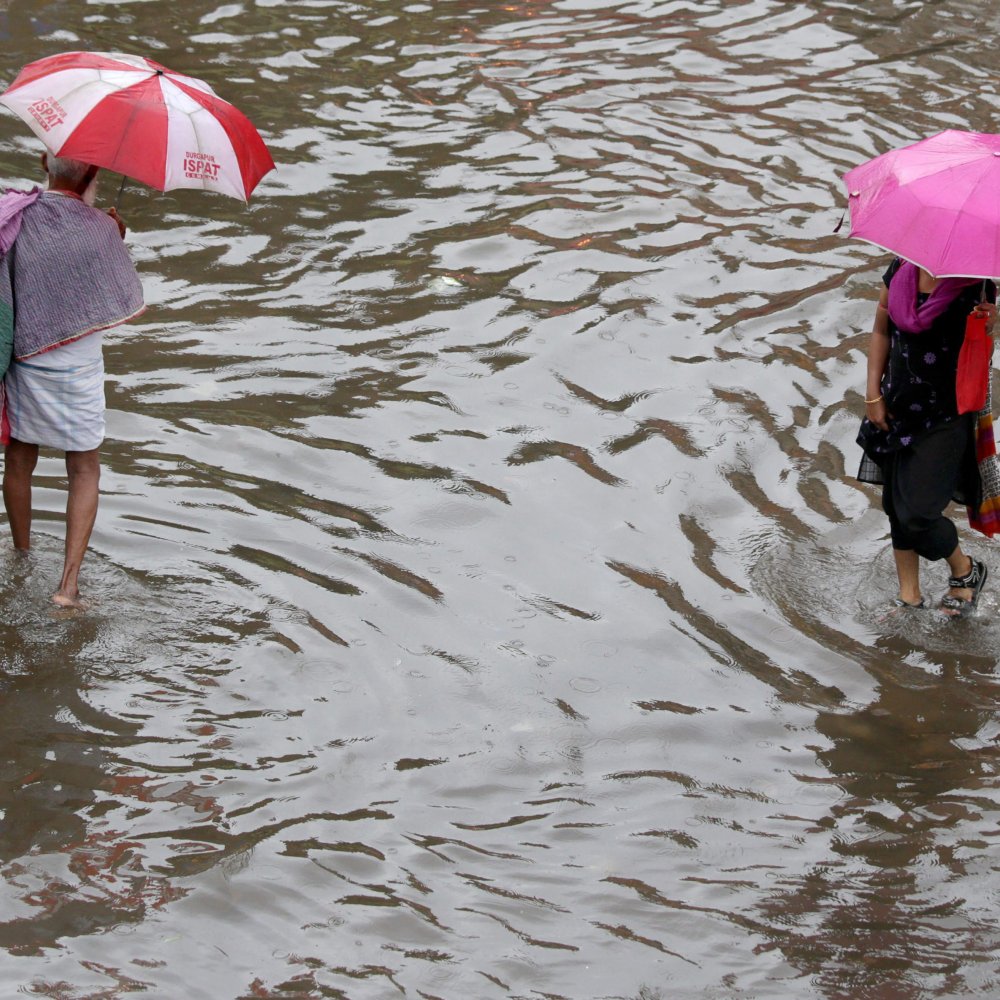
x,y
935,203
132,115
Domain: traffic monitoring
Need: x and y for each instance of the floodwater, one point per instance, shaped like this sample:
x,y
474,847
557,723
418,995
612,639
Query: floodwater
x,y
484,604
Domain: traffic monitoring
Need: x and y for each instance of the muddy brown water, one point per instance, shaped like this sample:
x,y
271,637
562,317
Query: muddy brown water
x,y
485,606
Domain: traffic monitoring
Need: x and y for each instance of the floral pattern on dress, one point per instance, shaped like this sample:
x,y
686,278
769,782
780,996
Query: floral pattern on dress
x,y
919,382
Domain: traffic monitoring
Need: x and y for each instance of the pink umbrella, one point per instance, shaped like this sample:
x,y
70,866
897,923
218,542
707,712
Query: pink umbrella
x,y
134,116
935,203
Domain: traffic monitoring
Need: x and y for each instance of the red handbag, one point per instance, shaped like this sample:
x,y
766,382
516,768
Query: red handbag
x,y
972,378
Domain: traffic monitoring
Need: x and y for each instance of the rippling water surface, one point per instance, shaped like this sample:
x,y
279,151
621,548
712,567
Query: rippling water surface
x,y
486,607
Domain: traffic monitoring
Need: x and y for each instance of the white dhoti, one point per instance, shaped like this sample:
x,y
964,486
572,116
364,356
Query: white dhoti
x,y
56,399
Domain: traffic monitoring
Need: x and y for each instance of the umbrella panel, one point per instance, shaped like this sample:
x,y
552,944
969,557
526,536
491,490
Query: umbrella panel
x,y
126,132
936,203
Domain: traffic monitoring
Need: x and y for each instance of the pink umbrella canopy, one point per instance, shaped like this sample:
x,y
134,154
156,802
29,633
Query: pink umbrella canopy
x,y
134,116
935,203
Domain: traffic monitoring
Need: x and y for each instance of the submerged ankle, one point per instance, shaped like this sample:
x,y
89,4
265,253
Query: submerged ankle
x,y
64,599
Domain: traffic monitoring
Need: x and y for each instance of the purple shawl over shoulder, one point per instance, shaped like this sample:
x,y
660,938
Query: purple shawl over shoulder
x,y
904,310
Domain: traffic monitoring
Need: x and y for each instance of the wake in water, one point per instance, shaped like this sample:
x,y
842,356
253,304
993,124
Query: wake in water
x,y
841,586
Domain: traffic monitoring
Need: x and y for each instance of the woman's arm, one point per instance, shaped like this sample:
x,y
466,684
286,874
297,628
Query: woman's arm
x,y
878,357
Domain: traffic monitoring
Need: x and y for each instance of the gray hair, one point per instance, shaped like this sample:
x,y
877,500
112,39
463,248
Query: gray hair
x,y
66,171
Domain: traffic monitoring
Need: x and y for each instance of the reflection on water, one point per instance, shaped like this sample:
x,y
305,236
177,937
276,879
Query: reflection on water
x,y
484,603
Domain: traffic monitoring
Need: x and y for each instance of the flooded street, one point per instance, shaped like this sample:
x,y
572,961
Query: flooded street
x,y
486,607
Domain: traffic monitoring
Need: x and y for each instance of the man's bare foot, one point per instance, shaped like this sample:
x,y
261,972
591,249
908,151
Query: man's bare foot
x,y
64,599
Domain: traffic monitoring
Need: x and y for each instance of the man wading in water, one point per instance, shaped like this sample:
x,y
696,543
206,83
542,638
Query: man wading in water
x,y
65,276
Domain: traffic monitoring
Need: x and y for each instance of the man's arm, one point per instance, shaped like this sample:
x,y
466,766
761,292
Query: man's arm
x,y
113,212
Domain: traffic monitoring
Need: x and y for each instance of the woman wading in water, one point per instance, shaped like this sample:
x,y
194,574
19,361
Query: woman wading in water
x,y
916,444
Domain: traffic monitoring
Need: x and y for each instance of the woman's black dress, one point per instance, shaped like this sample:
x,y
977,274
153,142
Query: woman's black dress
x,y
928,455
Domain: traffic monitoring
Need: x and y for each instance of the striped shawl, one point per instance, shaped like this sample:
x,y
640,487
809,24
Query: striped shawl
x,y
66,275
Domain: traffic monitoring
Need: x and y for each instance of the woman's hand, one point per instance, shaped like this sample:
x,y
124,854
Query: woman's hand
x,y
878,413
987,311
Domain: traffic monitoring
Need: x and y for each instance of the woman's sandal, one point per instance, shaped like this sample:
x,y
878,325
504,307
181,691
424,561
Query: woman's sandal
x,y
974,580
900,606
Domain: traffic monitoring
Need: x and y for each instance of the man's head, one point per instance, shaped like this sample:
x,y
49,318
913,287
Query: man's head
x,y
71,175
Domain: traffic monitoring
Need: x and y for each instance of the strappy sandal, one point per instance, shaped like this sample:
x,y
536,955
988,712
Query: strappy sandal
x,y
899,606
974,580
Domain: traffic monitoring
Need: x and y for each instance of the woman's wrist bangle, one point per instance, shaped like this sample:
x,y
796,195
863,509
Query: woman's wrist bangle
x,y
877,399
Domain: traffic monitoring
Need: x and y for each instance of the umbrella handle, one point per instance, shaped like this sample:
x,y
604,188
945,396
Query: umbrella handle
x,y
118,202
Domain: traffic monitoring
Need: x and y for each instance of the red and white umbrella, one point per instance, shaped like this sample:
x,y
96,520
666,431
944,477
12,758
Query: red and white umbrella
x,y
132,115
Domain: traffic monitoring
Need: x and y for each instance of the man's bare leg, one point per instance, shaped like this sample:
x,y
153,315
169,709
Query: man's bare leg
x,y
84,471
20,460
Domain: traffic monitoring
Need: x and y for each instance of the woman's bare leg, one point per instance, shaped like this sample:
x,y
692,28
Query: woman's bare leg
x,y
908,571
20,460
84,471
